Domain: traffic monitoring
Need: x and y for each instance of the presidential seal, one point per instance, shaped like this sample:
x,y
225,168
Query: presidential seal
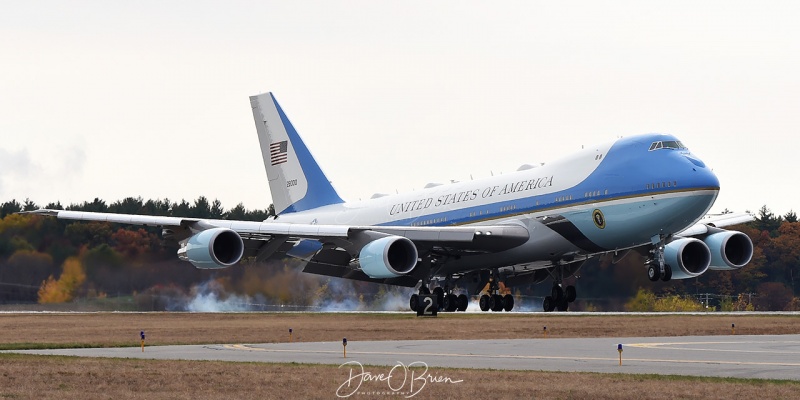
x,y
599,219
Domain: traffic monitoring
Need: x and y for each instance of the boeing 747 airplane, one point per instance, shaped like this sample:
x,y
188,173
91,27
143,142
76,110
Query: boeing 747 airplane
x,y
644,193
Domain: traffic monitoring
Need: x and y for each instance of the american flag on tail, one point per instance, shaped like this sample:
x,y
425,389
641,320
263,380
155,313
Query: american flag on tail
x,y
278,153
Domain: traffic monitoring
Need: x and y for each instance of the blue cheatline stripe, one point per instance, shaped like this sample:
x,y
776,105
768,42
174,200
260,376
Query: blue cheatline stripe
x,y
624,172
320,191
525,205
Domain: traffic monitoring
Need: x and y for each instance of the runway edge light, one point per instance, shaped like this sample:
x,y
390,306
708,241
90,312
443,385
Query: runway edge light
x,y
733,329
141,333
290,335
619,349
344,347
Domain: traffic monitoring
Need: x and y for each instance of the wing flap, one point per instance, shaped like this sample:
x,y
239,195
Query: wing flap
x,y
356,274
490,238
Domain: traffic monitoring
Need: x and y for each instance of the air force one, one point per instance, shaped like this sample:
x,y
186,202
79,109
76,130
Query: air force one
x,y
644,193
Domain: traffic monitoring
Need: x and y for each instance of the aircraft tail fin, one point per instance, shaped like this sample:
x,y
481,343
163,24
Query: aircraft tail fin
x,y
296,181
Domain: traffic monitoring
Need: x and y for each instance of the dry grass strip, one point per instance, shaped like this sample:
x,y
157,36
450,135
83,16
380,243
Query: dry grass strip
x,y
122,329
36,377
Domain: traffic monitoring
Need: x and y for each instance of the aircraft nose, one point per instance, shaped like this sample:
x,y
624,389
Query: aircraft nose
x,y
702,174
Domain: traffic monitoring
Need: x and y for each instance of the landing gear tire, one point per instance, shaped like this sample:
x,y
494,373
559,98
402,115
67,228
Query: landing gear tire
x,y
570,293
563,305
463,302
484,303
439,293
414,302
450,302
497,302
548,304
557,293
508,302
654,273
667,273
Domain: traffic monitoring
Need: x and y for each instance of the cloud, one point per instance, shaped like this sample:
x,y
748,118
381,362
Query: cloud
x,y
15,167
39,175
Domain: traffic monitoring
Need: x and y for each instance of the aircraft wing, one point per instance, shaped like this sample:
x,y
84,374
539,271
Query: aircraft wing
x,y
472,238
716,221
198,224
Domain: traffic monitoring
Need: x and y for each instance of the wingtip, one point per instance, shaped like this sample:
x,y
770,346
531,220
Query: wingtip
x,y
43,211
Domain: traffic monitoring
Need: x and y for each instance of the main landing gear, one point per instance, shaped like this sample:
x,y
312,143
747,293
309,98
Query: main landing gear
x,y
560,297
656,266
495,301
447,300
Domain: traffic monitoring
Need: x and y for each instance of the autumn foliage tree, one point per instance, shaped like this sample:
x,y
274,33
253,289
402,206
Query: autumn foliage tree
x,y
132,244
65,288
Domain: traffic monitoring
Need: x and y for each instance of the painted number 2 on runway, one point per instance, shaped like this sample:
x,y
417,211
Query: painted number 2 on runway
x,y
428,306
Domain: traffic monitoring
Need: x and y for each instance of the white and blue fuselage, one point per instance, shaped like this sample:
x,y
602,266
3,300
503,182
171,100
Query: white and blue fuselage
x,y
600,199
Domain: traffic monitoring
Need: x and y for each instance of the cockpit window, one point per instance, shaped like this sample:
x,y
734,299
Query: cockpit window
x,y
667,144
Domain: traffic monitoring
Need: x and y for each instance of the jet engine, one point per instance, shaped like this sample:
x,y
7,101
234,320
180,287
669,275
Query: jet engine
x,y
688,257
388,257
212,249
729,250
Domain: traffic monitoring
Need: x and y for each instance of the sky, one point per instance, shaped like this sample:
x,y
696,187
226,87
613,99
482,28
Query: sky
x,y
150,98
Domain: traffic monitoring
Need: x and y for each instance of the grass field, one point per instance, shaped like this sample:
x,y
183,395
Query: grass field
x,y
23,376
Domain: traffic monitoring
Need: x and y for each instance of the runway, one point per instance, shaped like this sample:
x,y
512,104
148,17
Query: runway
x,y
765,357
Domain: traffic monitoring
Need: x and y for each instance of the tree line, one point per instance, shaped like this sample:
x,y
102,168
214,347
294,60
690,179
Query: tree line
x,y
200,208
48,260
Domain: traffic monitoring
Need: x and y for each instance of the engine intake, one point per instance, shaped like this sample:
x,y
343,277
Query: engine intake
x,y
212,249
730,250
388,257
688,258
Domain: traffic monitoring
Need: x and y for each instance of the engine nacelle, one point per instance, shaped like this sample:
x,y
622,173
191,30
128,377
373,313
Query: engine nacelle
x,y
212,249
729,250
688,258
388,257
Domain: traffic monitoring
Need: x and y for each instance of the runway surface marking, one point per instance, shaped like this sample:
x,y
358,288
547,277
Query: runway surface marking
x,y
674,346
